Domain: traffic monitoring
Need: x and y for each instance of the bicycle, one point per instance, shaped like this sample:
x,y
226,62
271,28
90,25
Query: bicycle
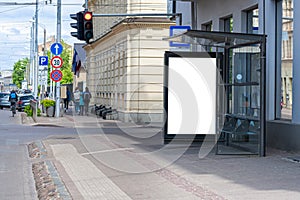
x,y
13,108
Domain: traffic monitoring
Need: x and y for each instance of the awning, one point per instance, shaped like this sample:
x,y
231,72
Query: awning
x,y
217,39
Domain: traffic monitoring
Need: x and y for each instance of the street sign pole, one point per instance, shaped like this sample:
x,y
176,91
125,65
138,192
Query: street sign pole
x,y
58,40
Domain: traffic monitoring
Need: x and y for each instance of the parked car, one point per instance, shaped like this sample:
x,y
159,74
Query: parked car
x,y
27,92
24,101
4,100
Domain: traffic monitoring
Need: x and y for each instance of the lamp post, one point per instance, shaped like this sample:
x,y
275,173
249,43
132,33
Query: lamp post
x,y
35,72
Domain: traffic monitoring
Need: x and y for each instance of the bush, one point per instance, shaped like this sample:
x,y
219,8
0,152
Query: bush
x,y
48,103
39,112
29,111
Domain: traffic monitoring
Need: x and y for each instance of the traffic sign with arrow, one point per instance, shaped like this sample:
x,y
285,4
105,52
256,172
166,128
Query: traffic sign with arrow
x,y
56,48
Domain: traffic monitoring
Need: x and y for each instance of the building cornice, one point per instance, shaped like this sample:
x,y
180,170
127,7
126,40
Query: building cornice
x,y
130,24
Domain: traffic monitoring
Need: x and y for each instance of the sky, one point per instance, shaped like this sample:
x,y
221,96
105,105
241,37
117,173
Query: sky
x,y
16,23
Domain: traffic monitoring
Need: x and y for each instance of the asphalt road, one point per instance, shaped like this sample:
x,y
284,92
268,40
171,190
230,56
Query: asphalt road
x,y
16,180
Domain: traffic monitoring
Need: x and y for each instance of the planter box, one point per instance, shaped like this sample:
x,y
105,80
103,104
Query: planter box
x,y
50,111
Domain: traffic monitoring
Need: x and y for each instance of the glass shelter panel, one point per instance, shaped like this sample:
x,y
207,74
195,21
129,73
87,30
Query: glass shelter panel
x,y
240,130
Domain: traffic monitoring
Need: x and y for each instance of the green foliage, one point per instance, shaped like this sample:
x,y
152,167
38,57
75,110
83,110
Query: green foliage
x,y
28,111
48,103
39,112
20,71
67,76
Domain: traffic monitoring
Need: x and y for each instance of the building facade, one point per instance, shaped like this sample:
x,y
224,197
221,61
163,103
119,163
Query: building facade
x,y
125,61
6,82
278,19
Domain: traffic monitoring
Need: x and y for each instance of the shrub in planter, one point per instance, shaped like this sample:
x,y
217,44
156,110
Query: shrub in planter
x,y
49,105
29,111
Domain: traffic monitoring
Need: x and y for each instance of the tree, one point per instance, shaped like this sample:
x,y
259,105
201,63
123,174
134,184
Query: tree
x,y
19,71
67,76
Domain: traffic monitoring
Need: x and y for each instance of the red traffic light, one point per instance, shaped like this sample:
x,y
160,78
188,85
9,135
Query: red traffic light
x,y
88,16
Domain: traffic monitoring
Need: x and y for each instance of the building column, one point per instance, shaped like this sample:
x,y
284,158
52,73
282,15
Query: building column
x,y
267,25
296,64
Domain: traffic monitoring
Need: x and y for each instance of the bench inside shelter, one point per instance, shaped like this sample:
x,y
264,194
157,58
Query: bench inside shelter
x,y
240,128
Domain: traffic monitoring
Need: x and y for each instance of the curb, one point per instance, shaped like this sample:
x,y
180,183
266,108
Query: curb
x,y
47,125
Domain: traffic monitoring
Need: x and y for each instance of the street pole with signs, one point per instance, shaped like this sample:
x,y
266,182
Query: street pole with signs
x,y
56,75
58,40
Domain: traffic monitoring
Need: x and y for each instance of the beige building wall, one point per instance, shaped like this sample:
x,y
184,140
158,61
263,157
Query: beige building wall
x,y
125,69
125,61
103,25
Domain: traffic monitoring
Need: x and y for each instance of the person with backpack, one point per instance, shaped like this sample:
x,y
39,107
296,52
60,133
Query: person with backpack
x,y
86,98
13,97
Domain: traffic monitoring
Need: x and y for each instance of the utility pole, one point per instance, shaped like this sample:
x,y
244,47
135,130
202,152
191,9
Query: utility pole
x,y
31,71
36,66
58,40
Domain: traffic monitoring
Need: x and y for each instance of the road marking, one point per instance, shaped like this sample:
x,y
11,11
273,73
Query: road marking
x,y
89,180
107,151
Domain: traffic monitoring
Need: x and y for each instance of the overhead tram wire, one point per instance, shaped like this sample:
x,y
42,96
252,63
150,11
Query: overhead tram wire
x,y
13,9
34,3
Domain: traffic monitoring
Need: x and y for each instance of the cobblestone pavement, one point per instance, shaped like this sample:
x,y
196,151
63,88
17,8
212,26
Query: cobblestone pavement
x,y
107,160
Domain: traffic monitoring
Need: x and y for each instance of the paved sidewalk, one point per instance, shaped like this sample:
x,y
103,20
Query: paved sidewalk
x,y
115,160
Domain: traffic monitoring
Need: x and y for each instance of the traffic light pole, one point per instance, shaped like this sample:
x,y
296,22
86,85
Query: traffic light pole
x,y
58,40
86,5
141,15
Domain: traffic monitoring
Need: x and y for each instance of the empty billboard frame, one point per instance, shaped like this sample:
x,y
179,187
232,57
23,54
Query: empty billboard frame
x,y
189,95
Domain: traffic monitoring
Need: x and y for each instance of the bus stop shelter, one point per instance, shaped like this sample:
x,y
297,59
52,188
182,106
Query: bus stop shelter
x,y
240,93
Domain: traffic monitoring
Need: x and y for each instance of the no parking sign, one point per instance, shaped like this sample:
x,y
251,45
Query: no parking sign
x,y
56,75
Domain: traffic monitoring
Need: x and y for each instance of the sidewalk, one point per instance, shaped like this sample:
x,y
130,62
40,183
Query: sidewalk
x,y
115,160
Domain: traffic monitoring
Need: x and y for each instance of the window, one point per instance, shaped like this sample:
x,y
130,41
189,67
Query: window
x,y
286,57
252,21
207,26
227,24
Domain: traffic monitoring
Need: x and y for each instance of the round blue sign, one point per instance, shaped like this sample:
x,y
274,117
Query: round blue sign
x,y
56,48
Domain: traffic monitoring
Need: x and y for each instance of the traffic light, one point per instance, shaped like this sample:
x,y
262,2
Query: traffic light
x,y
88,26
78,25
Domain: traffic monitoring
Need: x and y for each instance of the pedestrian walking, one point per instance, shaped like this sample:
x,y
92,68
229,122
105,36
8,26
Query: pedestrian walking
x,y
81,103
86,97
76,99
67,100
